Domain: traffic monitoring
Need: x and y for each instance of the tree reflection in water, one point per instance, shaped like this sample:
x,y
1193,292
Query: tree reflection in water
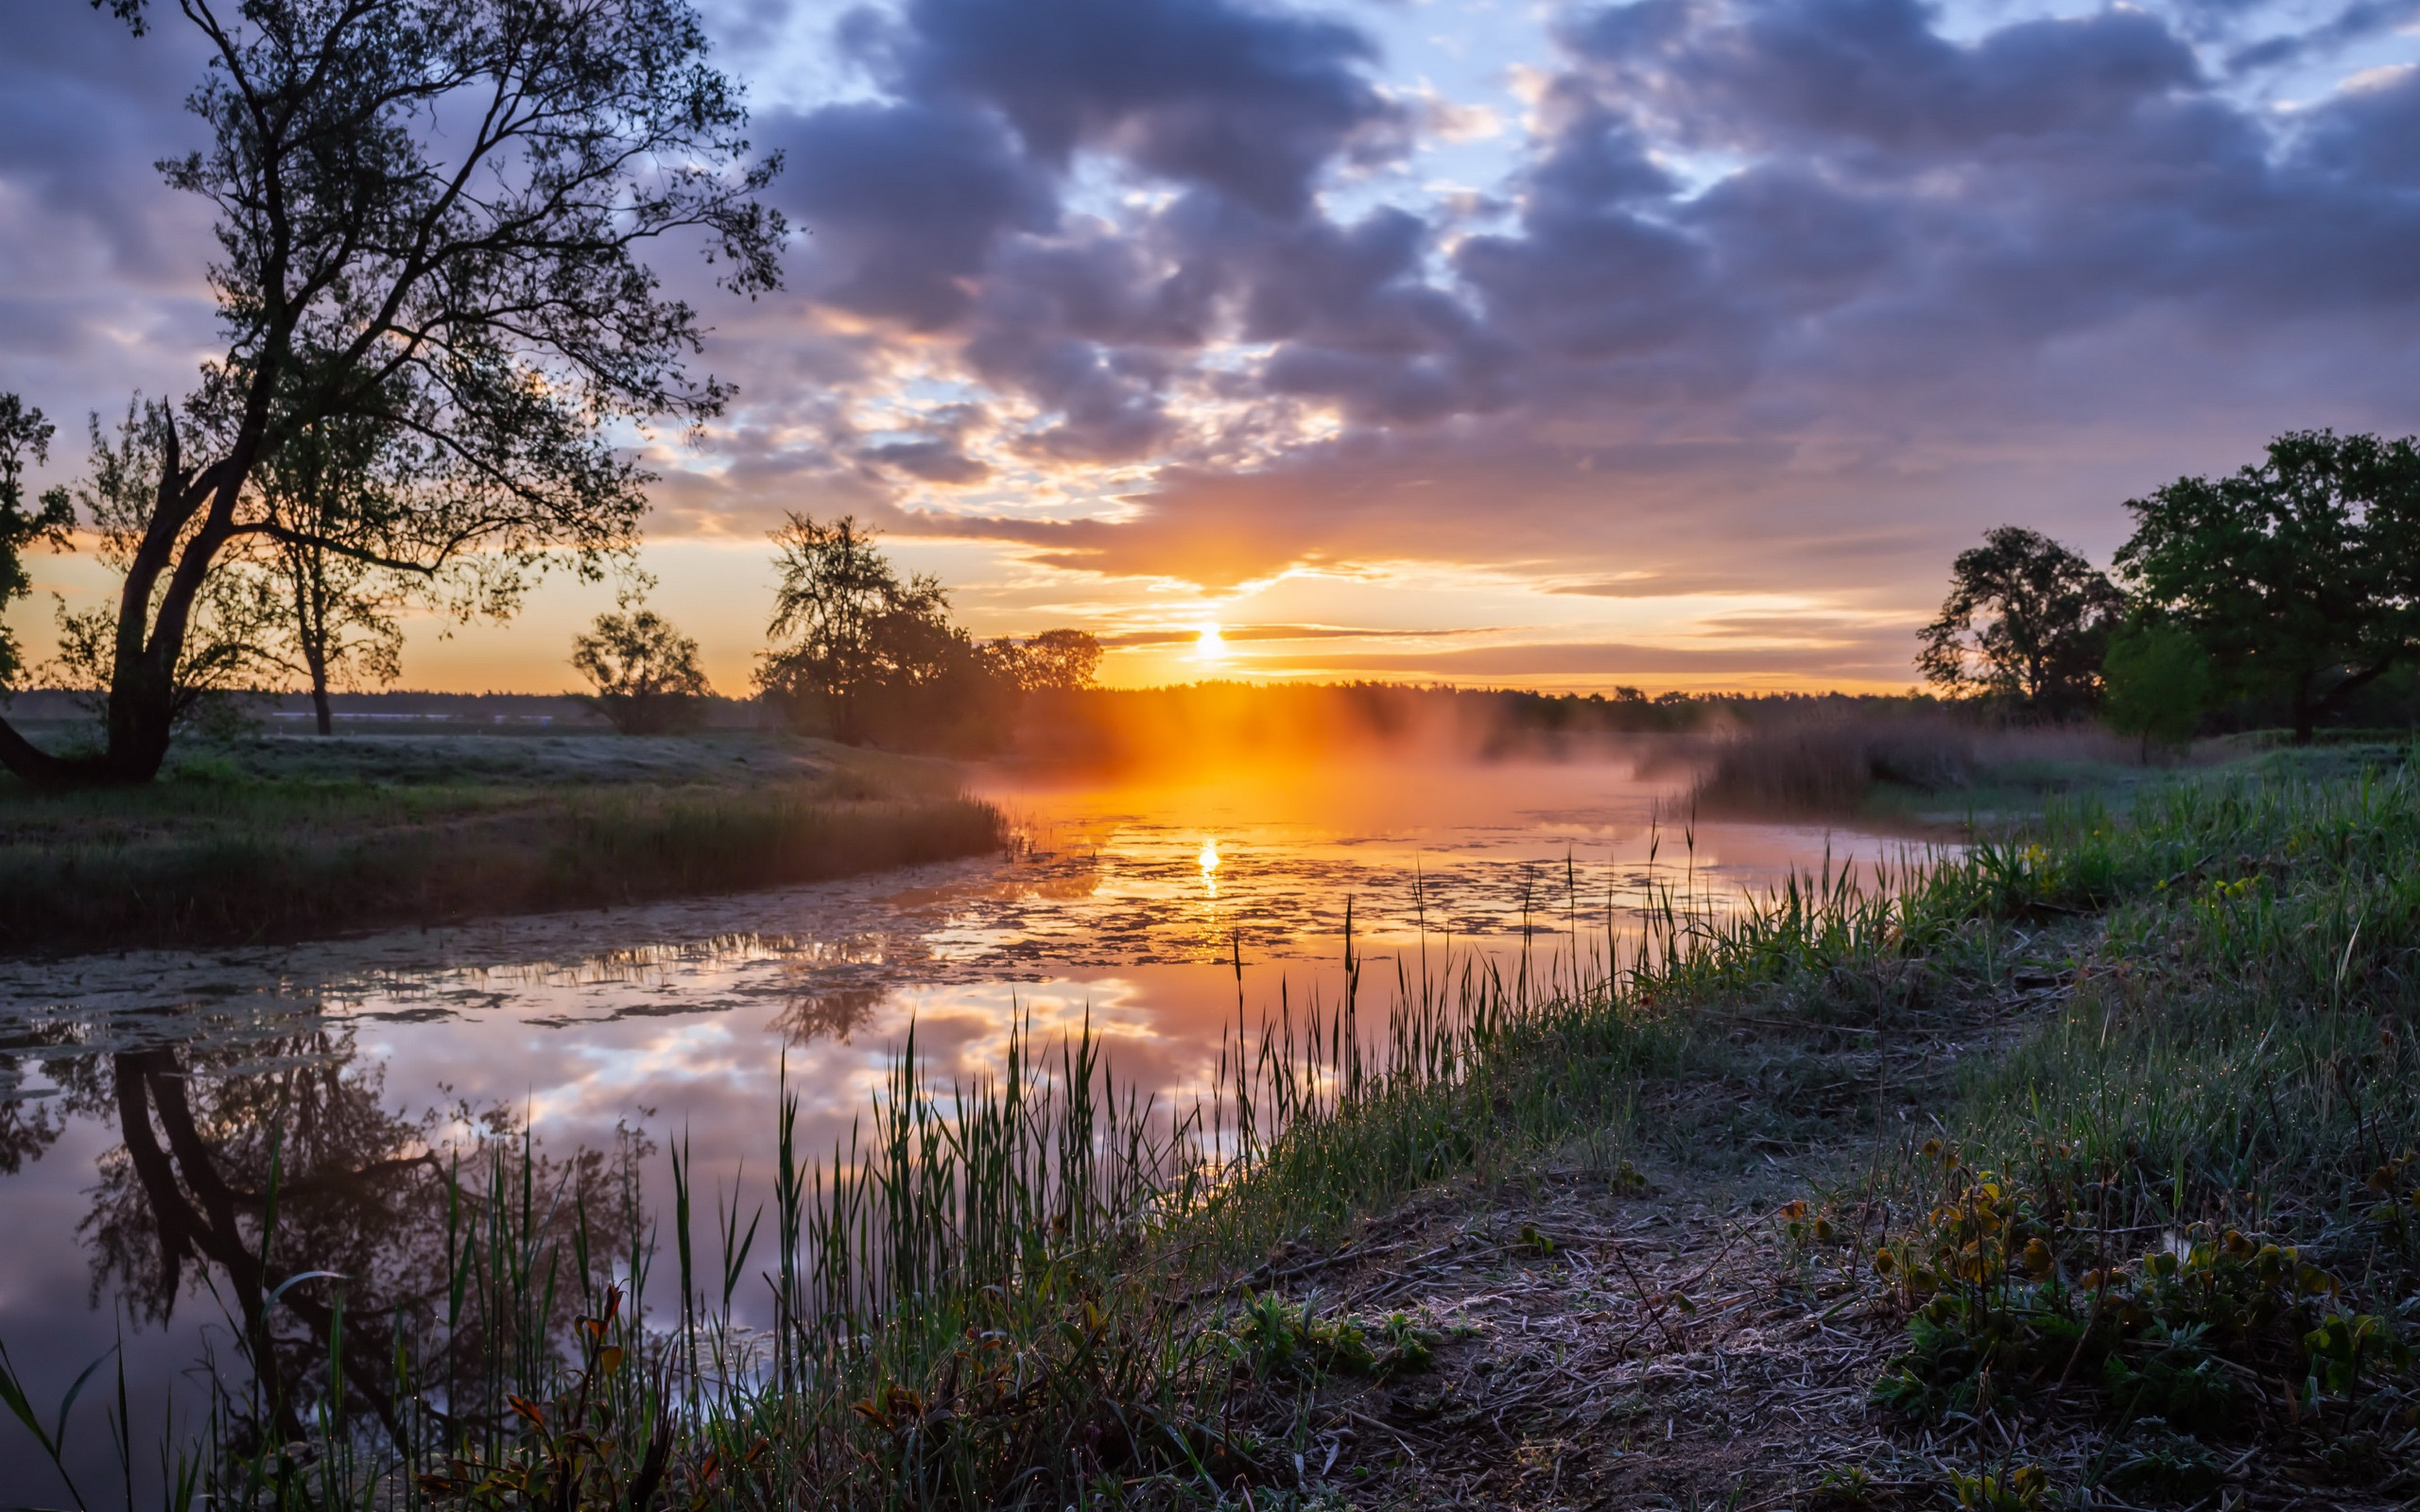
x,y
330,1226
836,1013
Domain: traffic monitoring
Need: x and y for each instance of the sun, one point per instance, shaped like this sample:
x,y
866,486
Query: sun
x,y
1212,647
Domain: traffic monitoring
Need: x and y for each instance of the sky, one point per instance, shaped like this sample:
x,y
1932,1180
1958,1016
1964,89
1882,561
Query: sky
x,y
1677,344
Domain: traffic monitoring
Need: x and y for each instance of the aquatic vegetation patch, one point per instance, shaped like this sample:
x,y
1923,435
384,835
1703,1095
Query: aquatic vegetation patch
x,y
2171,1203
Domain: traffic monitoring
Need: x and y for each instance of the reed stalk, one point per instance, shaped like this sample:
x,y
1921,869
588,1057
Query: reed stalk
x,y
1038,1287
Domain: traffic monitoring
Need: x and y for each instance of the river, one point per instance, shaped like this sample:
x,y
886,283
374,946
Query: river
x,y
1132,905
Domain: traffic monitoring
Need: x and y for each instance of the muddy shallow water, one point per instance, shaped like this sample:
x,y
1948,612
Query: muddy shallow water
x,y
1128,905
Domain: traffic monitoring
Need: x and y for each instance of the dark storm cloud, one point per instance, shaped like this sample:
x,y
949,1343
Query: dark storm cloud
x,y
1252,102
1779,293
2357,22
905,203
1878,73
103,290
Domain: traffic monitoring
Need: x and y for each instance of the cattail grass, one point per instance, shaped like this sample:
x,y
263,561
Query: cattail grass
x,y
1033,1289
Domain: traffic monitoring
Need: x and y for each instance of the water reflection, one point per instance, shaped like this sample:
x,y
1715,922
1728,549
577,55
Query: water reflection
x,y
358,1195
836,1014
277,1191
143,1095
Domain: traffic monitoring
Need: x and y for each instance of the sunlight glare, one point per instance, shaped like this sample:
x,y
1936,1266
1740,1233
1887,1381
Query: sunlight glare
x,y
1209,859
1212,647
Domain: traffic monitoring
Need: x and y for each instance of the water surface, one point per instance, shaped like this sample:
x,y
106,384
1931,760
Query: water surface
x,y
1130,905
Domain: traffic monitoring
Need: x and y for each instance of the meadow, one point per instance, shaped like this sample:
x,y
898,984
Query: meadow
x,y
272,837
2075,1165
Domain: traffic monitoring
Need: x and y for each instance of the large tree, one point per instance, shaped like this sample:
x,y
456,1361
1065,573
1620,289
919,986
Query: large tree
x,y
339,486
2298,573
234,617
870,655
1061,660
433,211
850,634
647,678
2025,626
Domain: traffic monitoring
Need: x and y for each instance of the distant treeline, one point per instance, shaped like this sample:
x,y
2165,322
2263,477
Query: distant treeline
x,y
1226,720
1096,722
400,709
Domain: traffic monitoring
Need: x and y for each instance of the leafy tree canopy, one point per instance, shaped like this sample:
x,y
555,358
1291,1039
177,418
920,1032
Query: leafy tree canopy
x,y
2298,573
25,436
2157,679
646,673
1061,660
868,655
852,635
433,212
2025,624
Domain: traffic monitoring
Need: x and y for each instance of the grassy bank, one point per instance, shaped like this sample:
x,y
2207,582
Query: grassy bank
x,y
2073,1170
288,837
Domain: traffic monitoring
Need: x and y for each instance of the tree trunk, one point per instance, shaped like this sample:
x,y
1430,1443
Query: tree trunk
x,y
314,654
142,716
311,628
30,761
207,1232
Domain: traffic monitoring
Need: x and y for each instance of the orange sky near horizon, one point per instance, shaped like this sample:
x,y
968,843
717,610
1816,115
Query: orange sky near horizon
x,y
719,592
1568,346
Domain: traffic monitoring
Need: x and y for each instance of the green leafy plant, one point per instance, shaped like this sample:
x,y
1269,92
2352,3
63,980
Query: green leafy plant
x,y
2018,1490
2158,1468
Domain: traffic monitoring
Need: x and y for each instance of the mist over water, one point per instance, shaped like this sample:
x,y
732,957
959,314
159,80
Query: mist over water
x,y
1128,905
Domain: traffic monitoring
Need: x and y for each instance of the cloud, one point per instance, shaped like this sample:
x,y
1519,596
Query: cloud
x,y
1877,75
904,203
2357,22
1250,102
1128,639
1648,585
1782,297
1936,283
933,462
1884,660
105,291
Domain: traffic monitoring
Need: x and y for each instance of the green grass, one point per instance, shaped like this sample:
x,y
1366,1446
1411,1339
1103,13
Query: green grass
x,y
2188,1200
2177,1182
290,838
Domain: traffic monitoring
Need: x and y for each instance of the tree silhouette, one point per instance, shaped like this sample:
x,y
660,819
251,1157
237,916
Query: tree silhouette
x,y
432,212
2299,573
2024,625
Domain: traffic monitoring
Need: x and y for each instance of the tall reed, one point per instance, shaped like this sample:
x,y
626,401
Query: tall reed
x,y
1034,1288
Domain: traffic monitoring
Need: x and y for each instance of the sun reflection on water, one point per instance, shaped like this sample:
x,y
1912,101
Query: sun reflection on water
x,y
1209,859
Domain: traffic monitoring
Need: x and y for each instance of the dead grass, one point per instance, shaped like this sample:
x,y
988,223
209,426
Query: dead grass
x,y
1912,766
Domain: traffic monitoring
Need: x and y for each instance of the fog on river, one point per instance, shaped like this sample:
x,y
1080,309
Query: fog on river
x,y
1127,905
